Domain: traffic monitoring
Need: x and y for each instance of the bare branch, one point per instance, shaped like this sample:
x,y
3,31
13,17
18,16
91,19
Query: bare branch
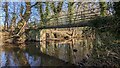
x,y
34,4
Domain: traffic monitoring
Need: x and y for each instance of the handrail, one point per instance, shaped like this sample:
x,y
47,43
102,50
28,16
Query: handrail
x,y
75,13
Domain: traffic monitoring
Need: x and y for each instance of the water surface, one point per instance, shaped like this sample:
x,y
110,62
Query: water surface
x,y
100,51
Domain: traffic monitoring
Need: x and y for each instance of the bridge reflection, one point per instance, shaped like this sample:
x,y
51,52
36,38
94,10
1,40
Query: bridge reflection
x,y
73,51
51,53
27,55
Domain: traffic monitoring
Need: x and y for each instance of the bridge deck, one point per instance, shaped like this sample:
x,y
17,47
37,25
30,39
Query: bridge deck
x,y
80,24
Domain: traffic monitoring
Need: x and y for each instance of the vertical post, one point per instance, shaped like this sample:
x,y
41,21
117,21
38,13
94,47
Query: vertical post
x,y
81,15
39,33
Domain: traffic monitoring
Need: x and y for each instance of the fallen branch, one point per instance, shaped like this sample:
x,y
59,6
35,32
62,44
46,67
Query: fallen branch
x,y
23,25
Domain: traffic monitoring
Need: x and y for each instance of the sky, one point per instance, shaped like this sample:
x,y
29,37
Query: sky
x,y
33,17
1,14
34,14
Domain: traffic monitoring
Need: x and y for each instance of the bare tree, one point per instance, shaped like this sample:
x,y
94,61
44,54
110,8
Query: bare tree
x,y
26,16
6,16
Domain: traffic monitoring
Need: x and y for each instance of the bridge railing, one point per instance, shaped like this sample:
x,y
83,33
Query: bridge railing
x,y
74,17
77,17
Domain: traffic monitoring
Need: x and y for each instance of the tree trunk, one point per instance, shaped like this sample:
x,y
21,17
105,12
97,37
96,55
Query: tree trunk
x,y
103,7
6,16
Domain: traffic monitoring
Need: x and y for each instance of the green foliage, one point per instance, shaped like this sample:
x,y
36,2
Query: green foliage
x,y
70,7
107,24
47,10
44,15
57,9
100,21
117,8
103,7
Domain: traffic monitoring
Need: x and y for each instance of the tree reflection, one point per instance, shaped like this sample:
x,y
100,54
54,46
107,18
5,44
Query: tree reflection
x,y
27,55
65,50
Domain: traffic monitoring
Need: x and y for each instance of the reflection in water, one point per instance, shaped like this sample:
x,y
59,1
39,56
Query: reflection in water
x,y
53,53
46,53
73,51
29,55
34,54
